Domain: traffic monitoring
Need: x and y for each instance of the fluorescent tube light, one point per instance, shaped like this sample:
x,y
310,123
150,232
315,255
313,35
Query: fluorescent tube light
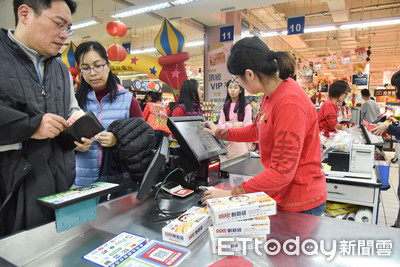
x,y
194,43
148,7
320,29
153,49
266,34
85,23
144,50
365,24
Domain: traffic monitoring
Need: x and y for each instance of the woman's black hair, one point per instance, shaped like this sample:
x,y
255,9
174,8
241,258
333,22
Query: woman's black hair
x,y
338,88
252,53
111,85
241,99
189,94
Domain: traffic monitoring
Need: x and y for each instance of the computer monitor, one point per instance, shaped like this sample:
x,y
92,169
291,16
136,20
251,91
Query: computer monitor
x,y
194,141
150,178
200,150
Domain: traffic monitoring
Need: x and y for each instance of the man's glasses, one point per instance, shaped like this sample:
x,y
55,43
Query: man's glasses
x,y
62,27
98,68
234,80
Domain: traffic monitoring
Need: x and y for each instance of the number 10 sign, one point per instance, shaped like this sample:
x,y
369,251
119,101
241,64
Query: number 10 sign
x,y
295,25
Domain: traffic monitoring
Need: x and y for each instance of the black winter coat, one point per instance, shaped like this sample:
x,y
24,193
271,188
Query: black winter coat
x,y
131,155
40,168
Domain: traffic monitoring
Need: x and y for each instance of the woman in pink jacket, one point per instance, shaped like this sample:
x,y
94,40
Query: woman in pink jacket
x,y
235,113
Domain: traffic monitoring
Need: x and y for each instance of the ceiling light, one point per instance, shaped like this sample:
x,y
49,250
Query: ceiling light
x,y
266,34
148,7
350,25
375,23
320,29
153,49
144,50
194,43
85,23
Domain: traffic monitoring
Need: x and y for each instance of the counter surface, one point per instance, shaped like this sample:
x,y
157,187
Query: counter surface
x,y
43,246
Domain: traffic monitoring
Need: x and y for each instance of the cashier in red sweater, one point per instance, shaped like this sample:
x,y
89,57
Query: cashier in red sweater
x,y
328,113
286,128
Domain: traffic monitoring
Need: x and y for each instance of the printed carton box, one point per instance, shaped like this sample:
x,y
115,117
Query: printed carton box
x,y
249,227
240,207
187,227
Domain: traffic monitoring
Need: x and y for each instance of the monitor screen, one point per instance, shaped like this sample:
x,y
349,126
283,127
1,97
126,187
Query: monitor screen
x,y
194,141
150,178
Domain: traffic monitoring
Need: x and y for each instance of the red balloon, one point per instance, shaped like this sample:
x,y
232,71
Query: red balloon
x,y
116,28
151,85
116,53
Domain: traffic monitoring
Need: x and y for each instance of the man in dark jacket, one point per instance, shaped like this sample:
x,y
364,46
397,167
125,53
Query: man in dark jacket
x,y
36,99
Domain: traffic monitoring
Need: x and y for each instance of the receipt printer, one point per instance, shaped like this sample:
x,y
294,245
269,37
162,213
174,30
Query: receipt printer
x,y
362,158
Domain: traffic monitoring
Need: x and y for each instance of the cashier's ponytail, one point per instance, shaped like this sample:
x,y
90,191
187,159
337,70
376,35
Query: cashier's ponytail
x,y
252,53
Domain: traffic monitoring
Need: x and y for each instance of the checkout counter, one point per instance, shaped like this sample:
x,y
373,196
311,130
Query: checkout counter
x,y
43,246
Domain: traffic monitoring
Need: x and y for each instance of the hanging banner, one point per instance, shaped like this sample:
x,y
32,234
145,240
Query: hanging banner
x,y
318,64
387,76
332,61
305,73
361,75
218,73
360,53
346,57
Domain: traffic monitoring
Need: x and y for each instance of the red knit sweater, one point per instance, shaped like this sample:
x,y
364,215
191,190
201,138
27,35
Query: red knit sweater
x,y
289,144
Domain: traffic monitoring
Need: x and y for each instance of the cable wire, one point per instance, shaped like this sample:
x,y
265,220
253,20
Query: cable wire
x,y
165,212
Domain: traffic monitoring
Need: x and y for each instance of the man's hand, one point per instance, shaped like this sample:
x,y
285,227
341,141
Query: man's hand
x,y
50,126
106,139
214,194
380,128
212,128
85,146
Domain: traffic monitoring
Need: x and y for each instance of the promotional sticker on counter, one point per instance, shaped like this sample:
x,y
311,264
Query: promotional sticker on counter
x,y
116,250
130,250
160,254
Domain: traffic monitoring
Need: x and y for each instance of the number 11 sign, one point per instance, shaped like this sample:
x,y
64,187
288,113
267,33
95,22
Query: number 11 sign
x,y
226,34
295,25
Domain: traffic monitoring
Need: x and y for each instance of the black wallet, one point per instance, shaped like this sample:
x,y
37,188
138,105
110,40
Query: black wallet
x,y
86,126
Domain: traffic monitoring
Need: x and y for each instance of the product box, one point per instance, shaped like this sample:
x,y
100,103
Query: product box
x,y
254,226
240,207
187,227
235,244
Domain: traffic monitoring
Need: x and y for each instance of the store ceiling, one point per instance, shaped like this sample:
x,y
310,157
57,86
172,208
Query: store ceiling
x,y
193,18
